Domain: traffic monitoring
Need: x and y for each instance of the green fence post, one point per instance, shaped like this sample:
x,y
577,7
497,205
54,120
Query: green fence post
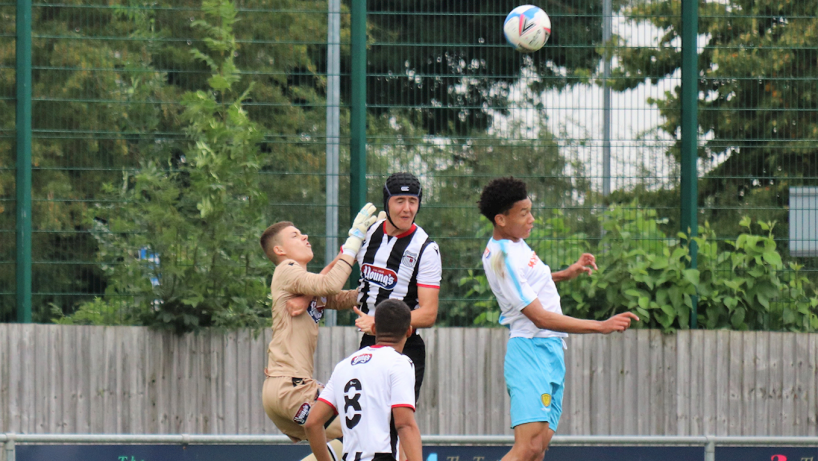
x,y
690,129
23,184
357,142
357,166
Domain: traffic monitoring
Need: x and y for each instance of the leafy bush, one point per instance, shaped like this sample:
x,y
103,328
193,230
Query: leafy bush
x,y
748,288
741,284
178,240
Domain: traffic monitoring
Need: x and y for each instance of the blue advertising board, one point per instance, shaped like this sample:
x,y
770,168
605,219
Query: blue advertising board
x,y
766,453
296,452
475,453
430,453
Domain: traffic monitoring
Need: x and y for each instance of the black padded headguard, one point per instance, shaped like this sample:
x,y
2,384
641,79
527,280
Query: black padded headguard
x,y
401,184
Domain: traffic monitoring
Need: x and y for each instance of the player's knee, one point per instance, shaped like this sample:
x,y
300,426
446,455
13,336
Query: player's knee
x,y
534,449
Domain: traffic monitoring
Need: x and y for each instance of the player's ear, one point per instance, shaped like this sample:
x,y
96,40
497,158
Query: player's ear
x,y
374,332
278,250
409,331
500,219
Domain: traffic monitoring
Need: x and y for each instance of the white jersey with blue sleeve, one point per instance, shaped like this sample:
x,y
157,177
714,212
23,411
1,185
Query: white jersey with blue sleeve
x,y
517,277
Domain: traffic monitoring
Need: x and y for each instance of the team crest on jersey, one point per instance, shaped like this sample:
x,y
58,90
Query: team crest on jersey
x,y
386,278
302,414
361,359
315,311
487,253
409,259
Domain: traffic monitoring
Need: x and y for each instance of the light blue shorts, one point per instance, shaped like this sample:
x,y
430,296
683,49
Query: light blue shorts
x,y
535,378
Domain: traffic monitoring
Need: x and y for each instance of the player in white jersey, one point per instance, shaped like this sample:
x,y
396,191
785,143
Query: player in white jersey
x,y
372,391
530,307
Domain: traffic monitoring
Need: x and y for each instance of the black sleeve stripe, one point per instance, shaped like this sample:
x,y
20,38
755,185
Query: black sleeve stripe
x,y
412,293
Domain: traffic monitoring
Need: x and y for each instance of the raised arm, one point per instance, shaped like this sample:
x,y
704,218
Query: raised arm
x,y
331,283
300,281
584,265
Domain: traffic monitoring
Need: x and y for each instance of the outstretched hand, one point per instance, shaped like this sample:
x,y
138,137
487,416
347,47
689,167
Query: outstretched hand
x,y
619,322
364,322
586,264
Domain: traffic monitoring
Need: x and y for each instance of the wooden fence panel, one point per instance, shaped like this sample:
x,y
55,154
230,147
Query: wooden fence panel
x,y
81,379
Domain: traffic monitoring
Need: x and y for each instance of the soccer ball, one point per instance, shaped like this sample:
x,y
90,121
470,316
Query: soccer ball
x,y
527,28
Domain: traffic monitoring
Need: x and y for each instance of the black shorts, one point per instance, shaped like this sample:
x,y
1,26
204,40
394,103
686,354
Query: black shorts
x,y
415,349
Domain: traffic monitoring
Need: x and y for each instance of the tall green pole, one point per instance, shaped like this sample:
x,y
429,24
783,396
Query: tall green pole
x,y
357,142
23,185
357,166
690,129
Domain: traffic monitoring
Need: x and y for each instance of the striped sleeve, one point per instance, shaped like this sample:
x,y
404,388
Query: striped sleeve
x,y
431,268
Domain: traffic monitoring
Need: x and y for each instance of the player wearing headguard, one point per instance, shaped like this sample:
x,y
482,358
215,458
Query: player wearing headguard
x,y
530,307
398,260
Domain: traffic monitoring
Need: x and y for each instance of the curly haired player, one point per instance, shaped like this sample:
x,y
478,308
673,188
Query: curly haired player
x,y
530,307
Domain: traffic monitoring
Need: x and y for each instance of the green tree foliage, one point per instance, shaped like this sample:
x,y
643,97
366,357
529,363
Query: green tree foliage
x,y
71,95
108,87
113,135
185,237
7,162
441,59
757,73
742,284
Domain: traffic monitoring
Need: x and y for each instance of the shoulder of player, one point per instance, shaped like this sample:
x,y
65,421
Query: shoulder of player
x,y
419,232
377,227
431,246
390,352
288,266
403,360
513,253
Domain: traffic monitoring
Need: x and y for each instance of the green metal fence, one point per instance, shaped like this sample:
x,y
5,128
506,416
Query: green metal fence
x,y
7,164
586,124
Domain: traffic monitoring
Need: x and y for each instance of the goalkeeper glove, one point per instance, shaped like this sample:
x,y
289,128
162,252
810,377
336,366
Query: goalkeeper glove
x,y
357,233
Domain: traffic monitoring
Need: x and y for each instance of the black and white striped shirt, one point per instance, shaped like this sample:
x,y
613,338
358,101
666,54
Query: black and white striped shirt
x,y
394,267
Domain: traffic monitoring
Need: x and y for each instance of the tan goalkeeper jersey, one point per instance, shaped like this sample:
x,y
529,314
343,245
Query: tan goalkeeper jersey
x,y
292,349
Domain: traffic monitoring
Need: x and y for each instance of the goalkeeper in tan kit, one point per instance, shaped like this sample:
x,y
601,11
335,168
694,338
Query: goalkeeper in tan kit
x,y
289,390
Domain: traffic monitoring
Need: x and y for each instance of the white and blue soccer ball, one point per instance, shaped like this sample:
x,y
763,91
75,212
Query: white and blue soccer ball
x,y
527,28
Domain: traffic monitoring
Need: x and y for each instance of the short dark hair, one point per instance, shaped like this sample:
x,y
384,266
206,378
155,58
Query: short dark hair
x,y
500,195
268,239
392,319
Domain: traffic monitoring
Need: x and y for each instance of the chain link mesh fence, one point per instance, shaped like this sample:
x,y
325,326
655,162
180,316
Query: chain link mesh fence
x,y
447,99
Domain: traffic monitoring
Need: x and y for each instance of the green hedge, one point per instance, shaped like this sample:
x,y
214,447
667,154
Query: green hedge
x,y
740,284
